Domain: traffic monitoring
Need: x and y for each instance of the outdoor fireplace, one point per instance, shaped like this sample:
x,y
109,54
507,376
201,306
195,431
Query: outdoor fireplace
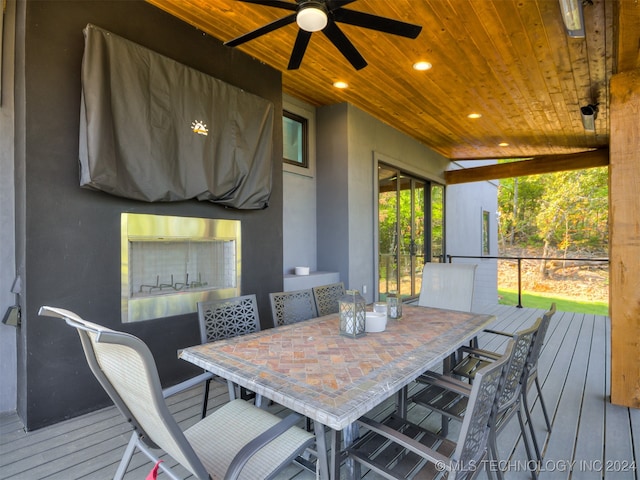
x,y
169,264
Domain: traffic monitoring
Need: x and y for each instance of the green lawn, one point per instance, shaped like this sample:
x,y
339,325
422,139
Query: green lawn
x,y
510,297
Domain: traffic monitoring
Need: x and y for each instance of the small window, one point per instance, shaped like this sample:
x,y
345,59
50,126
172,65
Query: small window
x,y
294,137
485,233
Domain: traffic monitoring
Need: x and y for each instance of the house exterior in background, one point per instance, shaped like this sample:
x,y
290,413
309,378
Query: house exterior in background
x,y
63,243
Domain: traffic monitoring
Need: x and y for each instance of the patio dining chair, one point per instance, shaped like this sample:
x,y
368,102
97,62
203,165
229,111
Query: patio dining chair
x,y
476,359
397,448
449,396
226,318
327,296
447,285
239,440
292,307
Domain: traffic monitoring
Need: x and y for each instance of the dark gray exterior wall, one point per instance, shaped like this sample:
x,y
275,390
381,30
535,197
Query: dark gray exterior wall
x,y
332,190
68,238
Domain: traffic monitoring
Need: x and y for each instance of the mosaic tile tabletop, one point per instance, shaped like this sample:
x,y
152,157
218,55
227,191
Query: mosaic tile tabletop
x,y
312,369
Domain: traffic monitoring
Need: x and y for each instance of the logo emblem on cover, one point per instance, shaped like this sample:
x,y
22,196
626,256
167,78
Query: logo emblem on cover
x,y
199,127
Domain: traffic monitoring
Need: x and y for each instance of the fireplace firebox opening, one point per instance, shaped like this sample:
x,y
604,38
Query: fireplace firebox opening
x,y
169,264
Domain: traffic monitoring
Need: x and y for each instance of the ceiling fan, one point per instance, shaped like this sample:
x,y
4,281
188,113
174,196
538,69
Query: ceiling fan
x,y
324,15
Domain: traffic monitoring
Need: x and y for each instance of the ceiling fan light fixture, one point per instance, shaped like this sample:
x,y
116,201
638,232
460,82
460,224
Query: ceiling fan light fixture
x,y
315,15
573,18
312,17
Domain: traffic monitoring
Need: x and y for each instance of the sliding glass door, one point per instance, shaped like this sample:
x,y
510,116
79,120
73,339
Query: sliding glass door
x,y
436,212
410,230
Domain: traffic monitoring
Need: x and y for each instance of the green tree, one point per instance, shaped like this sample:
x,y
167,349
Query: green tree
x,y
574,211
519,203
563,210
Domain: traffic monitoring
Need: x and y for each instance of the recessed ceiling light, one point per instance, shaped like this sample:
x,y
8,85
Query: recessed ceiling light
x,y
474,115
503,144
340,84
421,66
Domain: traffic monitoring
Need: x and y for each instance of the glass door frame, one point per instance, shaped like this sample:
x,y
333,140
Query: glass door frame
x,y
427,233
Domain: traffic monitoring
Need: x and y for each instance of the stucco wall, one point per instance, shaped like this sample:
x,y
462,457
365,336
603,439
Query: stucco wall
x,y
7,214
464,206
332,216
299,199
350,143
371,141
69,238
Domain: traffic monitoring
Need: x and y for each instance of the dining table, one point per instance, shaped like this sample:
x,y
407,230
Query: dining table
x,y
333,379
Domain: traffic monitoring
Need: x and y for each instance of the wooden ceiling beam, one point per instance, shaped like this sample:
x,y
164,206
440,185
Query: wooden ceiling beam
x,y
534,166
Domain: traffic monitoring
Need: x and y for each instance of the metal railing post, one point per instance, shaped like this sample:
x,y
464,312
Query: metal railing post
x,y
519,283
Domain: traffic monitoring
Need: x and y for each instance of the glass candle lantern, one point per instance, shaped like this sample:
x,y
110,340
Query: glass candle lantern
x,y
394,305
352,314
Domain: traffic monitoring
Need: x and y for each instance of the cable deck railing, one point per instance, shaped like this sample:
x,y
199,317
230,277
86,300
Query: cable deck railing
x,y
519,261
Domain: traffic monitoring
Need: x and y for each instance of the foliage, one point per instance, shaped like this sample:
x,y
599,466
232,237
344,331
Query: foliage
x,y
563,210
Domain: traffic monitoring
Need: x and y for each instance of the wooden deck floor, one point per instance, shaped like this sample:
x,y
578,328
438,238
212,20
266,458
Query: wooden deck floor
x,y
590,439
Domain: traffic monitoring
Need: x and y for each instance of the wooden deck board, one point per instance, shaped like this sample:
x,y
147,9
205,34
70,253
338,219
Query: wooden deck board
x,y
618,462
599,437
590,441
559,451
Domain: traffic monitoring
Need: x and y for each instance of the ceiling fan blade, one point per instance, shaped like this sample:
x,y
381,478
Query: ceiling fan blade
x,y
302,40
334,4
375,22
270,27
342,43
273,3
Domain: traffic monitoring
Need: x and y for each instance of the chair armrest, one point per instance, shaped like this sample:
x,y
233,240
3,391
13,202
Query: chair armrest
x,y
498,332
407,442
246,452
478,352
446,382
182,386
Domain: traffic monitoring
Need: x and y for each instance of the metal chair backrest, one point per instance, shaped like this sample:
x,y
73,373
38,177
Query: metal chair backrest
x,y
124,366
474,432
538,342
513,382
327,296
292,307
447,285
228,317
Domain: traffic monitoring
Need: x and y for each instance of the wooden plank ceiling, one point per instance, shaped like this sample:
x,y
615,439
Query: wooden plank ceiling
x,y
508,60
